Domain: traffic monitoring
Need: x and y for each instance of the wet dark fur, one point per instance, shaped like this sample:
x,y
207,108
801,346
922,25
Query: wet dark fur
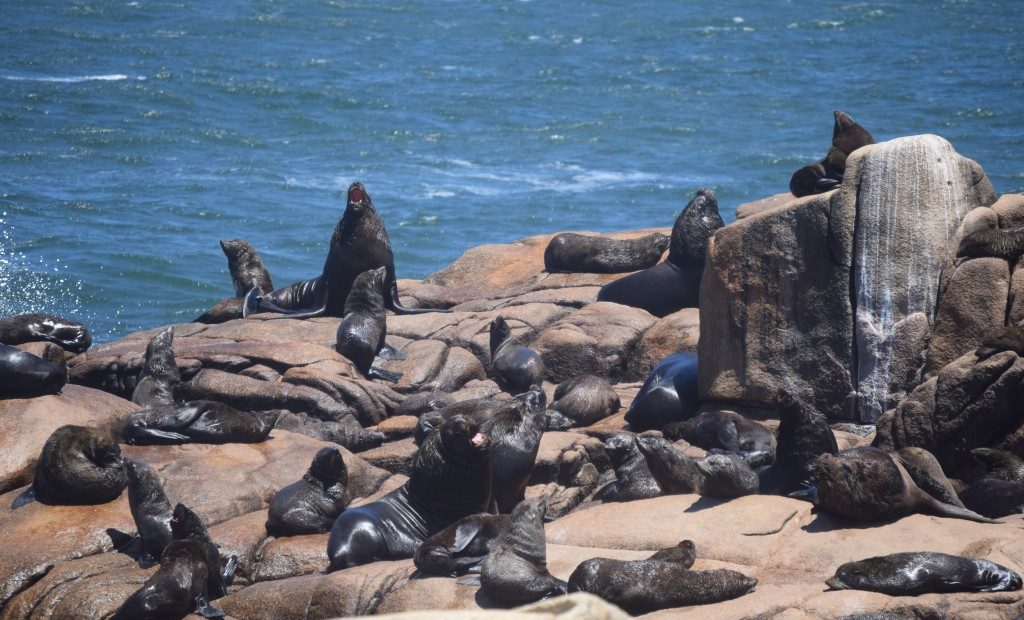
x,y
726,475
23,375
669,394
633,479
197,421
160,375
515,434
186,525
692,230
674,471
586,399
176,589
311,505
728,431
150,509
246,267
515,571
361,334
78,465
803,436
461,546
923,572
514,367
35,327
574,253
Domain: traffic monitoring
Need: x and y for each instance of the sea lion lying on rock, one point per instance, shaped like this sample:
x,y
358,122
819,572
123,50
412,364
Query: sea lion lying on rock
x,y
729,432
827,173
197,421
669,394
924,572
514,367
461,547
68,335
78,465
717,475
310,505
574,253
585,400
450,478
927,473
674,283
23,375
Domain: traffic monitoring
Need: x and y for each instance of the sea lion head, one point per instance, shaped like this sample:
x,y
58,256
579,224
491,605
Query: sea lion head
x,y
619,447
329,465
531,510
461,435
847,135
694,226
860,575
358,199
141,478
429,422
236,248
500,332
185,523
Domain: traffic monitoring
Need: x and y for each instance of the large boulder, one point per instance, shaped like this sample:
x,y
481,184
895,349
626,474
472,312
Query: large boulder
x,y
833,295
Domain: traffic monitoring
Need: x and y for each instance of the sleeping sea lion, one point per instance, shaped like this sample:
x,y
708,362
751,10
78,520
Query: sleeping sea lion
x,y
68,335
78,465
585,400
633,479
197,421
574,253
727,431
923,572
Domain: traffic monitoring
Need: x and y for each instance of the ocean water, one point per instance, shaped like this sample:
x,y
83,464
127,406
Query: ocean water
x,y
136,134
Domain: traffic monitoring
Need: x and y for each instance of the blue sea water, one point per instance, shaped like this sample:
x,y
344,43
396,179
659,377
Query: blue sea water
x,y
136,134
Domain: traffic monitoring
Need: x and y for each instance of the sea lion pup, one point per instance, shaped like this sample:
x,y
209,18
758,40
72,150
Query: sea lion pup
x,y
994,498
727,431
923,572
515,367
461,547
674,471
927,473
150,509
346,431
310,505
78,465
515,572
585,400
803,436
1005,243
197,421
160,376
827,173
68,335
726,475
515,433
1000,464
360,243
685,553
573,253
450,478
674,283
23,375
186,525
669,394
177,588
361,333
633,479
1010,338
867,484
642,586
246,267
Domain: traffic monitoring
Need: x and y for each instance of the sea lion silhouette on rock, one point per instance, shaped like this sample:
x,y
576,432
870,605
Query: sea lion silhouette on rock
x,y
78,465
827,173
514,367
803,436
923,572
515,571
68,335
310,505
160,375
361,334
23,375
633,478
247,273
867,484
461,547
360,243
585,400
727,431
176,589
574,253
150,509
197,421
450,478
669,394
674,283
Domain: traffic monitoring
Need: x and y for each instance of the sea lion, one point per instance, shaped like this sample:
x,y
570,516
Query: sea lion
x,y
867,484
197,421
669,394
685,553
246,267
225,310
68,335
573,253
150,509
360,243
421,402
585,400
515,432
923,572
1000,464
461,547
1009,338
1005,243
477,409
160,376
674,471
726,475
450,478
361,333
674,283
23,375
727,431
186,525
827,173
515,367
927,473
78,465
642,586
994,498
515,572
346,431
177,588
633,479
310,505
803,436
812,179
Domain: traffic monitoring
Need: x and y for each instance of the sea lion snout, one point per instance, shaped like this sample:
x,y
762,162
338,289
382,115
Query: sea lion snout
x,y
835,583
480,440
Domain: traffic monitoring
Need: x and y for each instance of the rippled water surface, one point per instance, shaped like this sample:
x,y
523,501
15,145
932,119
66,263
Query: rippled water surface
x,y
135,135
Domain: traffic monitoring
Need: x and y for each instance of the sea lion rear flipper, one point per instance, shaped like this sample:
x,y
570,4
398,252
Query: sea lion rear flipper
x,y
383,375
395,305
26,497
140,434
207,610
227,574
468,580
946,510
390,353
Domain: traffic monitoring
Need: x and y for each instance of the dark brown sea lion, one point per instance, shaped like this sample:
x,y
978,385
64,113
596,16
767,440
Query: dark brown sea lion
x,y
150,509
994,498
310,505
69,335
186,525
827,173
726,475
633,479
450,478
684,553
669,394
175,590
1005,243
515,432
803,436
246,267
225,310
197,421
461,547
674,283
361,333
674,471
585,400
727,431
574,253
1009,338
514,367
360,243
160,375
78,465
1000,464
867,484
23,375
515,572
927,473
422,402
924,572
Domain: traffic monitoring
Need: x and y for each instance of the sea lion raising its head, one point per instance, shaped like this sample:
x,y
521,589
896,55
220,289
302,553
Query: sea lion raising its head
x,y
150,509
923,572
160,375
177,588
361,333
186,525
311,505
827,173
515,367
246,267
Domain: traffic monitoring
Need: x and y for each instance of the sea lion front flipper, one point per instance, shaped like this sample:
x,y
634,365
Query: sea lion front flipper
x,y
465,533
227,574
826,184
390,353
26,497
207,610
396,306
728,437
383,375
137,435
469,580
